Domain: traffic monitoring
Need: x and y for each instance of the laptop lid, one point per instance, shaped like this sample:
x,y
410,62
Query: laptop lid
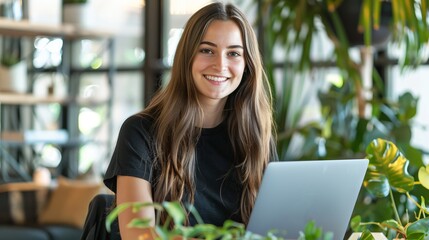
x,y
294,192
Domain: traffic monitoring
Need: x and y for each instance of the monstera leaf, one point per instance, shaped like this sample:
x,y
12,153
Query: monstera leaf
x,y
387,169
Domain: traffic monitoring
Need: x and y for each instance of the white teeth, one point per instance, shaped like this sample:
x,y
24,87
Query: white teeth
x,y
216,79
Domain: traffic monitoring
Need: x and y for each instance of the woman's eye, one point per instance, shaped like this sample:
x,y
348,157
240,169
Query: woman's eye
x,y
234,54
206,50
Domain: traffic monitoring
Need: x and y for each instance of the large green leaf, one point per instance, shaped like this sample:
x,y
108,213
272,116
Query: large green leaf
x,y
419,229
355,223
386,161
407,106
377,184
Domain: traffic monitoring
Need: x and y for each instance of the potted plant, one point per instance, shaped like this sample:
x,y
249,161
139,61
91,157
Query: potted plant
x,y
353,110
388,174
174,225
294,27
13,68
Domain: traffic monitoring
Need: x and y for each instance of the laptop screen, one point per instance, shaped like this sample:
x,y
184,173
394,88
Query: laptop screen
x,y
292,193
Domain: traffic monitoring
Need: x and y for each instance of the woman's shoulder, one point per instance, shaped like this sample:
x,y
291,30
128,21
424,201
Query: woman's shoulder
x,y
139,119
138,123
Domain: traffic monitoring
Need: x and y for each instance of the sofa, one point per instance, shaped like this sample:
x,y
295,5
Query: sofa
x,y
32,211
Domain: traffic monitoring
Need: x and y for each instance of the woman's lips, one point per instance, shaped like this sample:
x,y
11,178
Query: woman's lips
x,y
215,78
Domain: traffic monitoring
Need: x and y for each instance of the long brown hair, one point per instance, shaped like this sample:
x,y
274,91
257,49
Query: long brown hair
x,y
177,111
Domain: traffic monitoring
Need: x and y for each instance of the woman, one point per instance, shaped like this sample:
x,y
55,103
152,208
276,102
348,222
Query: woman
x,y
206,137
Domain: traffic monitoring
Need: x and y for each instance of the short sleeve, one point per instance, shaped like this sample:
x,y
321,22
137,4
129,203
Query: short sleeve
x,y
133,154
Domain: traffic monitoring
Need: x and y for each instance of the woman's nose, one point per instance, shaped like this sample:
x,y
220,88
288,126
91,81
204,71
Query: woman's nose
x,y
220,63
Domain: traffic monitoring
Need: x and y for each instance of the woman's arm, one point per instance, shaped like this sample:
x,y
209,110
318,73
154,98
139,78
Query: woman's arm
x,y
133,189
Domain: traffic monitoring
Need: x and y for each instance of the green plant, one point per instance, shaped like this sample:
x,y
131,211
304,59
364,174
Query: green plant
x,y
348,120
388,177
174,225
343,134
11,47
11,51
295,26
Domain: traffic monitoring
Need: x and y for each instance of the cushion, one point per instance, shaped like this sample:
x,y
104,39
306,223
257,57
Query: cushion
x,y
20,186
63,232
69,203
23,233
21,203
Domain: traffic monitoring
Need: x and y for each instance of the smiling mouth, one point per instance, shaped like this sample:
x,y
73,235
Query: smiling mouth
x,y
216,78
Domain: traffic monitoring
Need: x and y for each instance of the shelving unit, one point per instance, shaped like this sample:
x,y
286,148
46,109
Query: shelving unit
x,y
30,99
70,104
25,28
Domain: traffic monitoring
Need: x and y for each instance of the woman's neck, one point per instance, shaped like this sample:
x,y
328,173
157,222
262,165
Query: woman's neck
x,y
213,114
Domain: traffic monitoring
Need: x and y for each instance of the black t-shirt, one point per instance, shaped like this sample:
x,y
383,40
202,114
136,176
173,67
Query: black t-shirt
x,y
218,191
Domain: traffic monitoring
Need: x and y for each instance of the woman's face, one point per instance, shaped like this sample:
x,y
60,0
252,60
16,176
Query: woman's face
x,y
219,64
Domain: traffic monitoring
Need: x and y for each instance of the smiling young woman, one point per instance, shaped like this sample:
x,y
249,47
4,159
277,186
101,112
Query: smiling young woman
x,y
207,136
218,68
219,64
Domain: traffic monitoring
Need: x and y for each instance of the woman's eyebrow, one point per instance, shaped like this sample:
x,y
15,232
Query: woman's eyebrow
x,y
214,45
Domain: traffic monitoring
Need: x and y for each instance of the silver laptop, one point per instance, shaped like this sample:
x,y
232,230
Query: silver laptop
x,y
294,192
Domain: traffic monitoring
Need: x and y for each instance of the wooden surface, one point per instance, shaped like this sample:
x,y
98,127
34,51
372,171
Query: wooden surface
x,y
28,99
8,98
25,28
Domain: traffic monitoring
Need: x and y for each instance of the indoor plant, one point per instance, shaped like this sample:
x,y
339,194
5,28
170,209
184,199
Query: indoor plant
x,y
349,118
296,26
174,226
13,68
388,174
